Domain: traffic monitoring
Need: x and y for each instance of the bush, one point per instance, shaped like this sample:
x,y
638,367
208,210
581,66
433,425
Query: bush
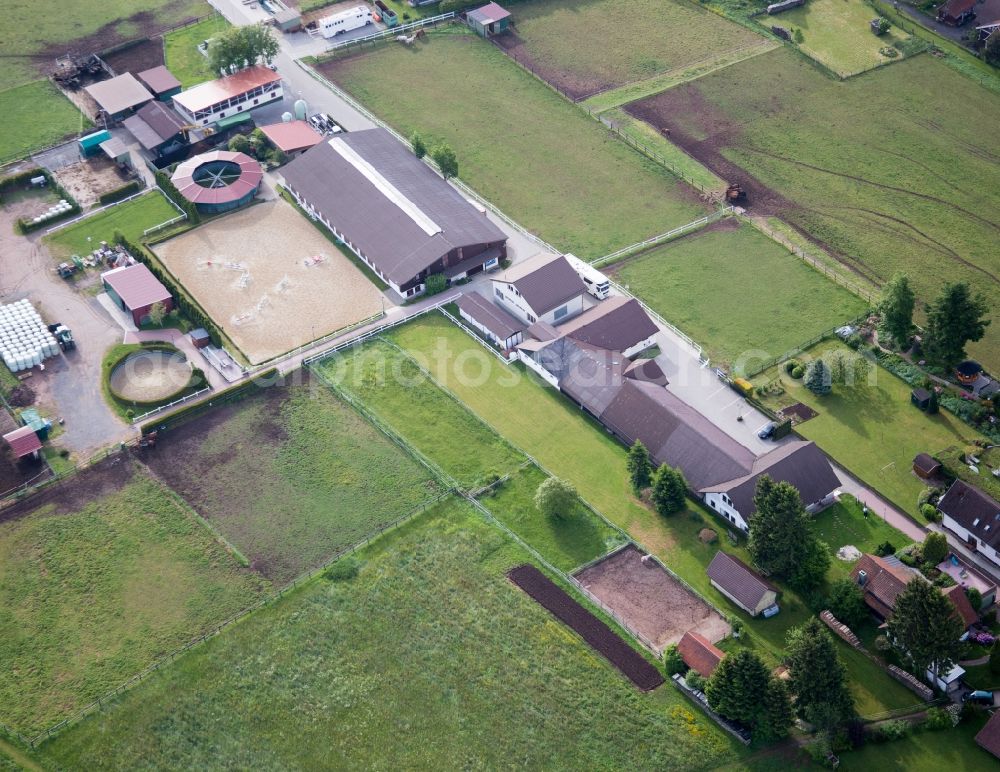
x,y
791,364
889,731
343,570
885,548
935,547
882,643
118,194
975,599
695,680
937,718
673,661
435,284
930,512
797,372
908,559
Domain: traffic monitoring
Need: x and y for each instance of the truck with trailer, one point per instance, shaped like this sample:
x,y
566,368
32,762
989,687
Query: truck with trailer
x,y
597,283
345,21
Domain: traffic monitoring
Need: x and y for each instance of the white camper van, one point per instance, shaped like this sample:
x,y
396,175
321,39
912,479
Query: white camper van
x,y
345,21
597,283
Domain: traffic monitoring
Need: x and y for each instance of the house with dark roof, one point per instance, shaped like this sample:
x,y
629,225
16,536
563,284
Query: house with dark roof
x,y
389,208
799,463
956,12
974,517
988,737
738,582
492,321
157,128
544,288
699,653
617,324
161,82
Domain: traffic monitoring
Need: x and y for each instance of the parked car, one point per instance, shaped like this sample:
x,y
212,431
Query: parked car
x,y
767,431
978,697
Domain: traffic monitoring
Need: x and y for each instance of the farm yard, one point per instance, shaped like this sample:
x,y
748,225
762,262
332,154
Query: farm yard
x,y
772,300
182,56
520,145
870,428
853,183
392,386
269,294
289,476
130,218
100,576
575,47
650,600
837,34
420,637
34,115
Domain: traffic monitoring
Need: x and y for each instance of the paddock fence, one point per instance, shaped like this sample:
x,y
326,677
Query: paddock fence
x,y
175,403
375,37
662,238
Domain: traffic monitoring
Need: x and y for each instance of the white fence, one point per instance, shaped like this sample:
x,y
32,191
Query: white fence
x,y
476,337
430,21
92,212
166,224
661,321
176,402
680,230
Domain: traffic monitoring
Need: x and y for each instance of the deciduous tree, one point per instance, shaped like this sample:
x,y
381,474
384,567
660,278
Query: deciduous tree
x,y
817,676
896,307
157,313
935,547
955,318
556,498
925,628
240,47
846,601
640,468
446,161
669,489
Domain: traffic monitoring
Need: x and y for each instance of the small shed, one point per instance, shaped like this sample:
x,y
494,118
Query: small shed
x,y
288,20
738,582
117,151
23,442
921,398
925,466
33,419
135,290
293,137
161,82
956,12
488,21
200,337
90,145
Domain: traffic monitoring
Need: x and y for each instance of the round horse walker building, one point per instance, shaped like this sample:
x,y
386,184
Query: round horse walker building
x,y
218,181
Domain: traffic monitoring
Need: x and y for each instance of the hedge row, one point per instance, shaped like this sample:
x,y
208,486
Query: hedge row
x,y
232,394
195,382
171,192
182,303
126,190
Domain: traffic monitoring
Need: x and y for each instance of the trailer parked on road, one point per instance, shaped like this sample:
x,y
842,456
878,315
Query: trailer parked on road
x,y
345,21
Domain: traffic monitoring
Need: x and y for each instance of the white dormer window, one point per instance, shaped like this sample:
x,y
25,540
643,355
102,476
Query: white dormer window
x,y
975,522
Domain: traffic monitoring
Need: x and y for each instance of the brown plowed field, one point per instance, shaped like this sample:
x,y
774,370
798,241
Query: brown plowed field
x,y
597,634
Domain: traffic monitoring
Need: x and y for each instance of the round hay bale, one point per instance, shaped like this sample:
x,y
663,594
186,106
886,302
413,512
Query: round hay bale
x,y
708,536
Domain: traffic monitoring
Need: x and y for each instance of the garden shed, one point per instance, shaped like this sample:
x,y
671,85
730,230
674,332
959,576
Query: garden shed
x,y
925,466
921,398
161,82
488,21
23,442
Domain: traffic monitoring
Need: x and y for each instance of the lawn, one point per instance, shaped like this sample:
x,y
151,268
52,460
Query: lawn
x,y
871,428
741,295
889,170
837,34
566,543
130,218
392,386
290,475
427,658
519,144
181,54
589,46
31,39
99,577
557,433
33,116
844,524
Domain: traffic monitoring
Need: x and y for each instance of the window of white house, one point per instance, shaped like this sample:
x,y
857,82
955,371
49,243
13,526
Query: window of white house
x,y
560,313
531,318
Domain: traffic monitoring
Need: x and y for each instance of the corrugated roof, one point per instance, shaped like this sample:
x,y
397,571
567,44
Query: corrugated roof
x,y
490,315
544,281
136,286
699,653
159,80
215,91
249,180
489,13
800,463
973,510
23,441
379,227
119,93
676,434
618,324
292,136
114,148
738,580
154,124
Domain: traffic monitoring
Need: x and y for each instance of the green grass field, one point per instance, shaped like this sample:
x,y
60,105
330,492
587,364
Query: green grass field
x,y
578,47
566,543
772,300
290,476
131,218
863,165
181,54
837,34
427,658
31,39
871,428
104,575
392,386
570,445
35,115
844,524
519,144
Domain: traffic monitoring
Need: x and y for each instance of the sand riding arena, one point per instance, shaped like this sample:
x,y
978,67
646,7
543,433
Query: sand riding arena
x,y
269,279
649,600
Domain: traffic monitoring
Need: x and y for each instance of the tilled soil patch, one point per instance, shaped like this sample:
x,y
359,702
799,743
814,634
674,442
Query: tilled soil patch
x,y
597,634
